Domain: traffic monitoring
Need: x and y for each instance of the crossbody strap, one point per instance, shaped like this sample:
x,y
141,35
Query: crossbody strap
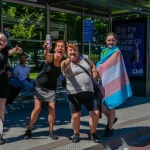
x,y
84,70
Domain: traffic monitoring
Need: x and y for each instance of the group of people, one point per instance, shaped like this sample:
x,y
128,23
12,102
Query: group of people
x,y
78,84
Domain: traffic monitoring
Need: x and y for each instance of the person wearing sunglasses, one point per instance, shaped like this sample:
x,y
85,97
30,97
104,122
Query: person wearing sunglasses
x,y
80,90
5,52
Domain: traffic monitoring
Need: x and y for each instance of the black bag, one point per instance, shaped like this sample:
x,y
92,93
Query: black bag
x,y
96,89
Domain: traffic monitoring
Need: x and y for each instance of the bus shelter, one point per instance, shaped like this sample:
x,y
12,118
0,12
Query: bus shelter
x,y
107,9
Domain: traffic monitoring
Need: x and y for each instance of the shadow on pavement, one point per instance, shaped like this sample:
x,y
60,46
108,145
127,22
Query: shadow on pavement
x,y
133,101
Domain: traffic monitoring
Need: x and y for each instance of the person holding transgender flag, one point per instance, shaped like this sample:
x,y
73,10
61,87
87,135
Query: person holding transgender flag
x,y
113,80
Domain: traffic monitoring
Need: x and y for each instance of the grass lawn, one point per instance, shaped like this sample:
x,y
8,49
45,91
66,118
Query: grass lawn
x,y
33,74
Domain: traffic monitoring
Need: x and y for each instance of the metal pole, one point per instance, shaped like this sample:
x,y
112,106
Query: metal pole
x,y
82,42
110,23
89,46
47,18
1,17
148,59
89,50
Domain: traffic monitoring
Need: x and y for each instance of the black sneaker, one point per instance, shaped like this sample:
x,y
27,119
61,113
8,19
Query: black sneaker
x,y
108,133
27,135
76,138
2,141
53,135
93,137
115,120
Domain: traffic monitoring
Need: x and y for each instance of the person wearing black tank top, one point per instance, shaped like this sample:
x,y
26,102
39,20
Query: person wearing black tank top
x,y
45,87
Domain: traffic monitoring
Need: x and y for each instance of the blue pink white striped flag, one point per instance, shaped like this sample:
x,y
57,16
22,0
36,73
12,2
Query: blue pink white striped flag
x,y
115,87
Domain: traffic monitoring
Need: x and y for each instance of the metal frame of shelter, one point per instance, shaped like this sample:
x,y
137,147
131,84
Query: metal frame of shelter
x,y
93,8
106,9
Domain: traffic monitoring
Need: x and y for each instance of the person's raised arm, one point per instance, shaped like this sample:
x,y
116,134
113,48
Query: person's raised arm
x,y
16,50
47,55
65,64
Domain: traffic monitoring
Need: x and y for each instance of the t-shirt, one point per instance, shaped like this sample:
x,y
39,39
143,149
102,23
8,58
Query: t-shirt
x,y
21,72
76,78
4,58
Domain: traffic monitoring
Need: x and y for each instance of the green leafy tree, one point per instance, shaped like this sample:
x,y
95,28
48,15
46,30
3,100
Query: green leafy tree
x,y
26,20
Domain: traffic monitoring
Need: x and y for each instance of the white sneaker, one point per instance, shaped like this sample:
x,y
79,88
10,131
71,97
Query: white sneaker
x,y
6,111
11,107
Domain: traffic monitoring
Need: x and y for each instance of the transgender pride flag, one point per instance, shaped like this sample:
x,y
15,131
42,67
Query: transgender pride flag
x,y
115,87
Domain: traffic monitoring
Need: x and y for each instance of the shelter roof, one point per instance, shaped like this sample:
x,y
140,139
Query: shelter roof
x,y
101,8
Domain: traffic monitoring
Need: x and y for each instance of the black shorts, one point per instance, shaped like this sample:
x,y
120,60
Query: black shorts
x,y
86,98
4,85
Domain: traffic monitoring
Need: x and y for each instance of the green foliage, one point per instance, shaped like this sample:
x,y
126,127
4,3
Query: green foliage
x,y
58,16
11,11
24,27
129,17
33,75
21,31
74,27
28,23
100,30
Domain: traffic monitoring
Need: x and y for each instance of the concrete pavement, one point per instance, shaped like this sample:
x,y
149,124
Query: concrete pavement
x,y
133,123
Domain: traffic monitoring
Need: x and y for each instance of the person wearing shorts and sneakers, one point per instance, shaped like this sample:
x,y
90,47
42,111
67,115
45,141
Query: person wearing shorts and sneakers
x,y
5,52
80,91
45,87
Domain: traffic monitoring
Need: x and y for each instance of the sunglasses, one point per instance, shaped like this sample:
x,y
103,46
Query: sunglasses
x,y
72,43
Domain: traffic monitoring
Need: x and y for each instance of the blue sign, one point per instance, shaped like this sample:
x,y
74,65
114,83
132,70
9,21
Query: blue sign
x,y
131,41
88,31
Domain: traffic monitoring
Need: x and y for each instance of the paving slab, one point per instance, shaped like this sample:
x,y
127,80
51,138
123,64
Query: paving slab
x,y
133,122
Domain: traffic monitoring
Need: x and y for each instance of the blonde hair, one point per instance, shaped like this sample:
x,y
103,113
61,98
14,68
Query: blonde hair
x,y
72,44
3,34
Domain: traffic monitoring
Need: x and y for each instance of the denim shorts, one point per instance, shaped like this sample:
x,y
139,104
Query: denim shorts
x,y
44,94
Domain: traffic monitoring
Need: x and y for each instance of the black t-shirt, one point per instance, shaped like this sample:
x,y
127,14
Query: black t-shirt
x,y
4,58
48,76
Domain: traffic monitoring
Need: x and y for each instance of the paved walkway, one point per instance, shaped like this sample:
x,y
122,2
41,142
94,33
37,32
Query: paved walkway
x,y
133,123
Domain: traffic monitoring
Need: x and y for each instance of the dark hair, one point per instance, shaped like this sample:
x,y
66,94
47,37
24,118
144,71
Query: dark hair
x,y
23,54
60,41
111,34
2,59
